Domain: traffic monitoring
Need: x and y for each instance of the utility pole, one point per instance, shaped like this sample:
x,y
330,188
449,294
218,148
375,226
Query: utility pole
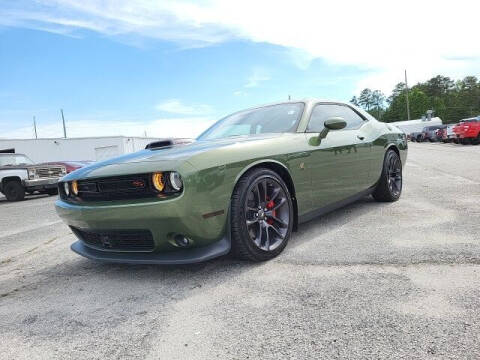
x,y
35,127
406,87
64,128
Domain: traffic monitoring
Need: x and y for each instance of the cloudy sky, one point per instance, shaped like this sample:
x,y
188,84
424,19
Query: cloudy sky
x,y
170,68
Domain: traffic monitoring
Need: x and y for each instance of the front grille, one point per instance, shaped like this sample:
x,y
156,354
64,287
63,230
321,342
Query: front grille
x,y
116,240
118,188
124,187
50,172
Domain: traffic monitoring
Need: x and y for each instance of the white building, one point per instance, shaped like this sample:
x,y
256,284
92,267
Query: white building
x,y
60,149
410,126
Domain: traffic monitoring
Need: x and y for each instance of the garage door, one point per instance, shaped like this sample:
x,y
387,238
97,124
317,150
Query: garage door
x,y
106,152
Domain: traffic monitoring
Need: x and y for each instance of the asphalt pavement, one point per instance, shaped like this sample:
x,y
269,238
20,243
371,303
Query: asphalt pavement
x,y
372,280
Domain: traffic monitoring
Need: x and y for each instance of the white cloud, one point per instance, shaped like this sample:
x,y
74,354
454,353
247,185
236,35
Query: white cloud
x,y
175,106
239,93
164,127
384,37
258,76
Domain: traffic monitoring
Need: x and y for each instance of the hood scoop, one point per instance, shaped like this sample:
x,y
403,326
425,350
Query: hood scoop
x,y
161,143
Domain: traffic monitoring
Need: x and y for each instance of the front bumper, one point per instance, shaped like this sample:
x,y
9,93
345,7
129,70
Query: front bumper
x,y
41,184
163,218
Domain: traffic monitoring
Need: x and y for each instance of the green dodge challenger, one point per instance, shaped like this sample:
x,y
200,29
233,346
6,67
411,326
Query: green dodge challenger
x,y
242,186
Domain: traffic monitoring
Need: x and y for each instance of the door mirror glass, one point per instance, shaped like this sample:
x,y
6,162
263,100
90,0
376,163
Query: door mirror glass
x,y
335,123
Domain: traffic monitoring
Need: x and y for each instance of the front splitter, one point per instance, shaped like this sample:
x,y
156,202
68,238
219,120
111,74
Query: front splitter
x,y
186,256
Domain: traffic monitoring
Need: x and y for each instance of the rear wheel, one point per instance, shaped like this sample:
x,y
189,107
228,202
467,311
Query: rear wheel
x,y
389,187
14,191
261,215
476,140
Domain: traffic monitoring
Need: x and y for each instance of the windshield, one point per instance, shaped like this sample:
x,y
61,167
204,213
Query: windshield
x,y
14,160
268,119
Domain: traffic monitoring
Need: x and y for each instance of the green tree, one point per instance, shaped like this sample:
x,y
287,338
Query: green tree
x,y
366,100
450,100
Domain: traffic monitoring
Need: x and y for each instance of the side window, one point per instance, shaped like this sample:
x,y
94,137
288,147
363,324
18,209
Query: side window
x,y
322,112
352,118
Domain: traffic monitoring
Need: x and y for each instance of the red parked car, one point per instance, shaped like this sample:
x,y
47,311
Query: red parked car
x,y
468,131
70,165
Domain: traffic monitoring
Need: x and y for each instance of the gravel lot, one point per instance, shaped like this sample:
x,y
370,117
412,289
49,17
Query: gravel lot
x,y
371,280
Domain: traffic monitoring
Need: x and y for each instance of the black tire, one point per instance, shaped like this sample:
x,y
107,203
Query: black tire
x,y
476,141
247,240
389,187
52,192
14,191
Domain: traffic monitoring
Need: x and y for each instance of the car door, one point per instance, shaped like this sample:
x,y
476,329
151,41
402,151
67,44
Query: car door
x,y
340,161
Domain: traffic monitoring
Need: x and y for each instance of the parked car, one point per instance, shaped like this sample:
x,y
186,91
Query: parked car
x,y
468,131
416,136
447,134
19,175
70,165
430,132
244,184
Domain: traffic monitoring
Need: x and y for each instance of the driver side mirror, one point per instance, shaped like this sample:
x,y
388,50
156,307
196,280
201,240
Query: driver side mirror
x,y
335,123
332,123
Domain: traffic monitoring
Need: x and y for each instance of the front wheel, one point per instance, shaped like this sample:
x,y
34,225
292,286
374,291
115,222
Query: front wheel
x,y
389,187
261,215
14,191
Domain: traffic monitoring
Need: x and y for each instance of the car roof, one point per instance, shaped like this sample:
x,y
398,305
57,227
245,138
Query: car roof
x,y
304,100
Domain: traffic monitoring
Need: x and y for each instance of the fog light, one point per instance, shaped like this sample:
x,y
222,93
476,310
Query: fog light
x,y
66,188
181,240
176,181
75,187
158,181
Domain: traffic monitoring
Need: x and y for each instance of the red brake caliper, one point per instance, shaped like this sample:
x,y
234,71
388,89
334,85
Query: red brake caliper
x,y
270,205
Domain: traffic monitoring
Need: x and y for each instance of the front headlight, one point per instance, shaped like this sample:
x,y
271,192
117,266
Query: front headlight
x,y
176,181
75,187
66,188
31,174
158,181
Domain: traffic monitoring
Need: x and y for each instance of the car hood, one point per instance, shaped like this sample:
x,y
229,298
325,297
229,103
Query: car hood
x,y
164,158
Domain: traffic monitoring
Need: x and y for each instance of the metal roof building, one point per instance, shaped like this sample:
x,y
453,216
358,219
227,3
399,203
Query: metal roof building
x,y
64,149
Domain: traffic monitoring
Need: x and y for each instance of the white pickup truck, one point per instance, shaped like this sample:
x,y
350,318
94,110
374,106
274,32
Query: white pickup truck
x,y
19,175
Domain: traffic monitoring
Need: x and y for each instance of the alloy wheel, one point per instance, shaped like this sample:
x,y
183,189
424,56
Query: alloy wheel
x,y
394,173
267,213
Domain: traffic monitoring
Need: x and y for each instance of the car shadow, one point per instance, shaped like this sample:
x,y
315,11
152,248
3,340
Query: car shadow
x,y
3,199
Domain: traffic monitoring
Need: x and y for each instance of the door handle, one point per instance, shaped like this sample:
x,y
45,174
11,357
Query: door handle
x,y
360,137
